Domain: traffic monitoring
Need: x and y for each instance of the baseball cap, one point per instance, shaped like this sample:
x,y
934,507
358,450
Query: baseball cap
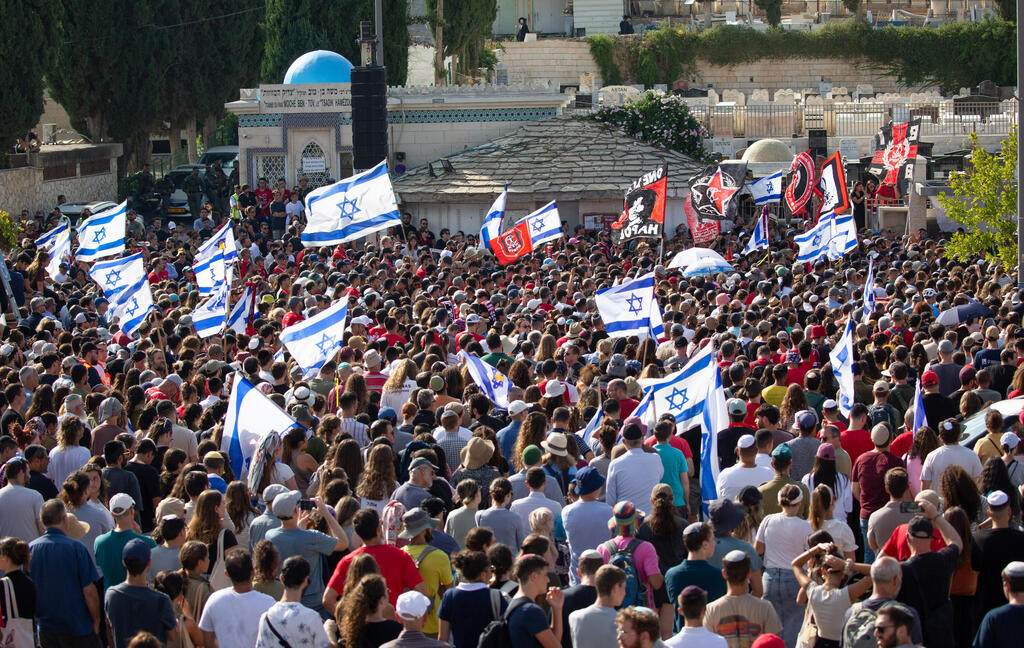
x,y
945,346
387,413
929,378
121,504
517,407
920,527
881,387
826,451
1009,439
806,419
272,491
411,605
736,406
768,641
135,550
419,462
284,504
588,480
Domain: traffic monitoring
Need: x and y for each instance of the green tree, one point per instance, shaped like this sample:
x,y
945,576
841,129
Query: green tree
x,y
467,26
772,10
294,27
661,120
984,202
108,71
1007,9
29,30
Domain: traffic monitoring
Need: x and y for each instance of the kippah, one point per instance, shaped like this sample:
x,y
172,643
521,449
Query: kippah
x,y
1015,569
691,529
734,556
746,441
997,498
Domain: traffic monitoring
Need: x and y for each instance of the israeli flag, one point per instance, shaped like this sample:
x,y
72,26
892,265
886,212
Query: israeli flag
x,y
351,209
59,251
545,224
47,240
238,319
491,382
115,275
214,260
767,190
134,304
844,236
920,420
210,316
869,293
713,420
492,221
657,323
250,416
682,394
102,234
626,308
314,341
593,425
759,237
814,243
841,358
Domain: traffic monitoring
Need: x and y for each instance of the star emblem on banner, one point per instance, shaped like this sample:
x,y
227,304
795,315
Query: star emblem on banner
x,y
538,224
677,393
325,344
213,275
497,380
636,304
818,238
99,235
113,277
768,187
349,207
719,193
133,308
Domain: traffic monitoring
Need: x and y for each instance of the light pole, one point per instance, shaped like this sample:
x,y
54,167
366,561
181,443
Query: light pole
x,y
1020,151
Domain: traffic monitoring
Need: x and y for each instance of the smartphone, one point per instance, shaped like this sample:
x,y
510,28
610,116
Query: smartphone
x,y
306,505
910,507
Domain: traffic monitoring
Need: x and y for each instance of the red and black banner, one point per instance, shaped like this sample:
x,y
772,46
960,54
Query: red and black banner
x,y
896,152
513,243
832,186
643,215
801,183
714,190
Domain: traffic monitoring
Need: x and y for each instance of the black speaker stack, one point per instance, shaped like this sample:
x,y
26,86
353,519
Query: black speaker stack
x,y
369,116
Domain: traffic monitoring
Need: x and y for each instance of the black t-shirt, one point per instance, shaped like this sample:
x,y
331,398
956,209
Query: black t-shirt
x,y
10,416
42,484
24,595
671,551
997,549
938,408
378,633
277,213
727,440
926,580
149,487
577,597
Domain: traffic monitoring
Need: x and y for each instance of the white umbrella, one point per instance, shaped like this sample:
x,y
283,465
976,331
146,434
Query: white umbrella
x,y
707,266
688,257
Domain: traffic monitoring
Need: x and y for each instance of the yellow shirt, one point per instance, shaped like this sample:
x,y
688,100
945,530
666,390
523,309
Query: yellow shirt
x,y
989,446
436,570
774,394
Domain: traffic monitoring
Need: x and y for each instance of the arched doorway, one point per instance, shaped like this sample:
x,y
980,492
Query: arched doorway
x,y
314,165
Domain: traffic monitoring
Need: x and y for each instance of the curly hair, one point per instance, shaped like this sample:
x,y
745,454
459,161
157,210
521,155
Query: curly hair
x,y
239,506
378,479
958,489
359,603
533,431
206,522
925,440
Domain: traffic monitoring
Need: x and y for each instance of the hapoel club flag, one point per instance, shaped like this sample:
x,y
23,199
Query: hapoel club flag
x,y
702,232
896,152
513,243
832,186
644,213
801,182
714,191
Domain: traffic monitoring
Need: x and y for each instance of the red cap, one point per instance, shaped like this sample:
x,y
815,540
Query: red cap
x,y
929,378
530,286
768,641
817,331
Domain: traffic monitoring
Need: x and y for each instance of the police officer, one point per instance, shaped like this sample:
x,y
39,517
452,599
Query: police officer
x,y
164,188
211,186
193,188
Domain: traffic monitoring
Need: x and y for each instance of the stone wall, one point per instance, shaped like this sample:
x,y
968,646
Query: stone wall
x,y
559,60
24,188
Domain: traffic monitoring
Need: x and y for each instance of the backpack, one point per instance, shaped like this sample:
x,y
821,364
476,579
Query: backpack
x,y
882,414
429,549
859,631
496,634
636,591
391,522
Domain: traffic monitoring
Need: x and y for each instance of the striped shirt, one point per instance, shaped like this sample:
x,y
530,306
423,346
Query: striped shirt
x,y
356,430
375,381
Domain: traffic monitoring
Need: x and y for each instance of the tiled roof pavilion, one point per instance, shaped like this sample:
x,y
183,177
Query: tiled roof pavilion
x,y
559,158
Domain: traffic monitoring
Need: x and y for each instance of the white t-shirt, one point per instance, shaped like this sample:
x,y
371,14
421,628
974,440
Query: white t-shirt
x,y
234,617
299,625
732,480
696,638
294,210
950,455
784,539
829,608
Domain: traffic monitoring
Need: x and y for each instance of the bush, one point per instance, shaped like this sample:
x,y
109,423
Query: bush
x,y
661,120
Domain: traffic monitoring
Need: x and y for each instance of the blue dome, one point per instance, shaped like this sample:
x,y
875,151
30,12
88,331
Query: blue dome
x,y
319,66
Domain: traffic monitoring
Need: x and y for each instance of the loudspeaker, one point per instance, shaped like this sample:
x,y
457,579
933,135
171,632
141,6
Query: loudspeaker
x,y
369,116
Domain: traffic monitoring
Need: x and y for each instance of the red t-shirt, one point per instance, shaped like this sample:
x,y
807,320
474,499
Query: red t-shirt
x,y
291,318
157,277
263,198
898,547
675,442
839,426
856,443
751,408
395,339
626,407
396,566
869,471
901,444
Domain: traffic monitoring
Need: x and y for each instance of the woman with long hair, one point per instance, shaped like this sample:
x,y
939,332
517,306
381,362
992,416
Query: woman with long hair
x,y
17,594
547,348
663,528
42,402
459,629
239,511
824,473
207,526
356,384
996,477
793,401
750,497
365,623
508,527
67,456
362,565
399,385
348,457
964,585
542,522
823,518
76,492
533,432
377,481
958,489
925,440
266,561
302,465
265,468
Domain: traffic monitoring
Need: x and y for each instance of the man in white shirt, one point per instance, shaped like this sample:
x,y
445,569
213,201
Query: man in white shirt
x,y
289,620
746,473
535,480
293,209
950,454
632,476
692,603
231,618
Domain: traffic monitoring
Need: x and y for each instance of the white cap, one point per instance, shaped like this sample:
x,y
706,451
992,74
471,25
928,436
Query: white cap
x,y
533,304
411,605
473,318
734,556
746,441
517,407
1009,439
829,404
997,498
121,504
362,319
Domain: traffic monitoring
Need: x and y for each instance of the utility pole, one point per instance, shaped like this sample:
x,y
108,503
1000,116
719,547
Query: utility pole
x,y
378,18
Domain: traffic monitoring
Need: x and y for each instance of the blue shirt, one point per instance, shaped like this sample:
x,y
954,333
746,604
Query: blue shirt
x,y
674,462
467,608
61,568
507,437
310,545
527,621
108,549
1001,628
692,572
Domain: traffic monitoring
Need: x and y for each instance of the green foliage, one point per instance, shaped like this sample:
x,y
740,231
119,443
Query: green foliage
x,y
984,202
772,10
661,120
851,5
10,231
1007,9
29,29
951,56
466,27
227,131
294,27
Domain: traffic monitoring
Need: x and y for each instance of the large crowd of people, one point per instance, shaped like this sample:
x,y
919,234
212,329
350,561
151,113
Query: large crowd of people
x,y
407,510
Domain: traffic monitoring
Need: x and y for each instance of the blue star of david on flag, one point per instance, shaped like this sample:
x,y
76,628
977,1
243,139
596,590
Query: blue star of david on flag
x,y
132,308
677,393
99,235
349,207
497,380
325,344
636,304
767,189
113,277
538,224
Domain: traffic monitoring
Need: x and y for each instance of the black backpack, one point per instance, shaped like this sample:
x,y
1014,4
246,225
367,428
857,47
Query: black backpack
x,y
496,634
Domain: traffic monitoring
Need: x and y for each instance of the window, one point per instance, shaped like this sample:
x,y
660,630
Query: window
x,y
313,165
94,167
270,167
69,170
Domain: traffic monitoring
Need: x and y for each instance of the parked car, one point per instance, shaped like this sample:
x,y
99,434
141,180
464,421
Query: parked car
x,y
178,207
974,427
73,211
